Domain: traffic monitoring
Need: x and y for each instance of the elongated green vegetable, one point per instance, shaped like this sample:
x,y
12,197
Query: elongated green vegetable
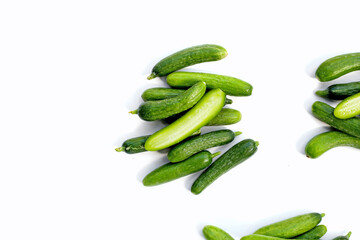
x,y
226,116
291,227
261,237
230,159
155,110
340,91
347,237
196,144
214,233
338,66
348,108
172,171
325,113
187,57
198,116
328,140
316,233
230,85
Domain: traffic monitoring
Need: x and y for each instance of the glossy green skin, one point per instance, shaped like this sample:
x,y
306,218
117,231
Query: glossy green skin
x,y
347,237
315,233
197,117
291,227
160,109
338,66
187,57
230,159
261,237
328,140
196,144
172,171
340,91
325,113
215,233
230,85
348,108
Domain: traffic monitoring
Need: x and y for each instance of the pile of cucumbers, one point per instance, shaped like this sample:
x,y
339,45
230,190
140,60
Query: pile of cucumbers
x,y
192,100
304,226
344,117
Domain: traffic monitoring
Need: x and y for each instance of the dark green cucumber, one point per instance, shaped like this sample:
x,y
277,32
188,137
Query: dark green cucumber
x,y
197,117
214,233
347,237
230,159
348,108
153,94
291,227
230,85
261,237
188,57
155,110
340,91
325,113
316,233
172,171
328,140
185,149
338,66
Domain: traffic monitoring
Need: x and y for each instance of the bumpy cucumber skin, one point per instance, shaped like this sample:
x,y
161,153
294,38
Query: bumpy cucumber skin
x,y
230,159
230,85
133,145
338,66
348,108
172,171
198,116
291,227
315,233
214,233
261,237
161,109
323,142
187,57
340,91
196,144
325,113
226,116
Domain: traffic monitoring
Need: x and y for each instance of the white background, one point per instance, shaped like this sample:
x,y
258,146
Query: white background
x,y
71,71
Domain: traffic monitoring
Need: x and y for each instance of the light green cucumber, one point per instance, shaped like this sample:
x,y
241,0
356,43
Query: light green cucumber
x,y
214,233
262,237
198,116
348,108
316,233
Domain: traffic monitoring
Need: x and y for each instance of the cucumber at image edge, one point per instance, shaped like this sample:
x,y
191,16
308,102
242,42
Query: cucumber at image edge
x,y
340,91
348,108
215,233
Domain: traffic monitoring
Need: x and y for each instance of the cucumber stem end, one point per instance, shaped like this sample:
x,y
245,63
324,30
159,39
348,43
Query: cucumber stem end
x,y
322,93
348,235
237,133
151,76
215,154
134,111
119,149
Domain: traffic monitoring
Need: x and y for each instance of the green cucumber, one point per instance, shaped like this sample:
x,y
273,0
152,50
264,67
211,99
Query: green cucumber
x,y
196,144
338,66
214,233
230,159
188,57
348,108
291,227
325,113
347,237
153,94
316,233
156,110
172,171
230,85
328,140
261,237
340,91
198,116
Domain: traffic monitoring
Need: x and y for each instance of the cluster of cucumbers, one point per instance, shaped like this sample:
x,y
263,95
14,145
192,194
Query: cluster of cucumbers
x,y
304,226
344,117
192,100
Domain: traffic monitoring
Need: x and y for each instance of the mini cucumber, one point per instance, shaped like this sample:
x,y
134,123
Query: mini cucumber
x,y
188,57
340,91
261,237
325,113
328,140
153,94
172,171
185,149
198,116
338,66
348,108
347,237
291,227
230,85
214,233
316,233
230,159
156,110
